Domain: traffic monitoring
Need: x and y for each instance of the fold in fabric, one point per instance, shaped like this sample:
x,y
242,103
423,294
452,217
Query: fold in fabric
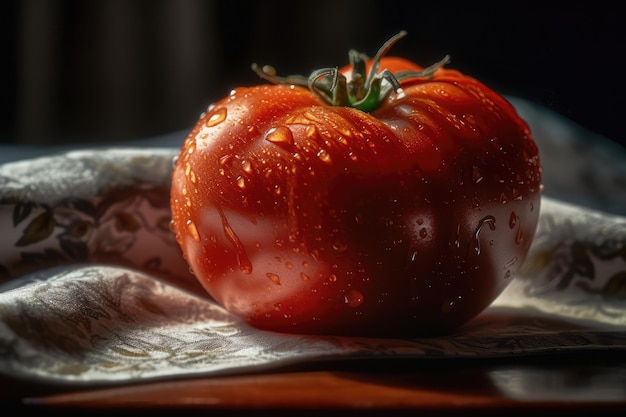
x,y
95,324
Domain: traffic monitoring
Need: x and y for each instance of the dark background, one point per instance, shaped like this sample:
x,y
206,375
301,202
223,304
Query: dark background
x,y
84,71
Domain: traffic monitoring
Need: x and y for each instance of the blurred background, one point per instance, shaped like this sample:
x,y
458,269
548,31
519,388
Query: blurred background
x,y
107,71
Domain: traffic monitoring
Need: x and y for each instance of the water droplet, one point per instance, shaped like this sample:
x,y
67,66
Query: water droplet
x,y
323,155
273,277
488,220
247,166
457,241
192,147
513,220
353,298
217,117
469,119
495,142
476,175
449,303
304,277
339,246
280,135
311,132
193,230
332,278
242,258
423,233
519,236
225,159
241,182
517,195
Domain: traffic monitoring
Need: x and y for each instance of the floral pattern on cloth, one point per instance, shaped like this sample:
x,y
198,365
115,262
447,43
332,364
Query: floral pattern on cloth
x,y
94,290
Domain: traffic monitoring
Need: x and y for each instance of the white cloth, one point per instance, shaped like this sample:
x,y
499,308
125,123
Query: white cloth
x,y
94,289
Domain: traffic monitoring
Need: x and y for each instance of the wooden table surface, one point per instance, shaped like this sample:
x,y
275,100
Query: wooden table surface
x,y
567,384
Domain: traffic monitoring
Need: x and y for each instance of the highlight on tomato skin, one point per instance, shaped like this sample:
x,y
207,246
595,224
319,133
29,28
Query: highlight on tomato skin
x,y
300,212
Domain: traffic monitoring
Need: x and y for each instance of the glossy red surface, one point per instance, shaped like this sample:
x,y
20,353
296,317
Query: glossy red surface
x,y
309,218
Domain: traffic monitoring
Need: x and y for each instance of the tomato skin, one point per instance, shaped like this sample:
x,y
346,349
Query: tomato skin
x,y
303,217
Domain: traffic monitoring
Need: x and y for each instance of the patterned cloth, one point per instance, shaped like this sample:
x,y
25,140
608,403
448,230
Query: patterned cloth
x,y
94,290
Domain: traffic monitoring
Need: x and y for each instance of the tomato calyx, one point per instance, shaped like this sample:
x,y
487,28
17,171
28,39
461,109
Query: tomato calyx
x,y
365,90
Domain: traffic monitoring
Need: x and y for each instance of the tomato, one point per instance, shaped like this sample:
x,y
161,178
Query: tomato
x,y
385,200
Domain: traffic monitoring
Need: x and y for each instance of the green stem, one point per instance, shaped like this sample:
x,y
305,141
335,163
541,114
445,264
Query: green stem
x,y
365,91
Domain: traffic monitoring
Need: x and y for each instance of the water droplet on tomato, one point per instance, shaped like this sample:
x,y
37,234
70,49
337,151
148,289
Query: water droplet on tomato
x,y
488,220
457,241
192,147
332,278
193,230
339,246
280,135
216,118
311,131
273,277
476,175
323,155
241,183
189,173
247,166
225,159
495,142
423,233
353,298
469,119
513,220
304,277
519,236
242,258
449,303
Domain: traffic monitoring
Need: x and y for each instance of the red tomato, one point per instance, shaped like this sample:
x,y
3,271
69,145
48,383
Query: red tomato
x,y
407,219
